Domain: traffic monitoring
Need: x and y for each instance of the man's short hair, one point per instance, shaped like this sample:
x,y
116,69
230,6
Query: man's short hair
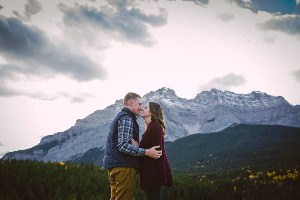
x,y
130,95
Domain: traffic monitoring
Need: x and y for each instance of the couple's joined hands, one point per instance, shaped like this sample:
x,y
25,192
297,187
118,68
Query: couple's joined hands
x,y
152,152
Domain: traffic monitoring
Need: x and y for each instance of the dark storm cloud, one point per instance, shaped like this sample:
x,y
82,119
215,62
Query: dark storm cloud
x,y
285,24
116,20
225,17
296,75
18,39
225,82
270,6
31,53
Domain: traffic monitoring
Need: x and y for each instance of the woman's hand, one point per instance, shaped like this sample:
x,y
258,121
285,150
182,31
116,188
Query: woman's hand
x,y
135,143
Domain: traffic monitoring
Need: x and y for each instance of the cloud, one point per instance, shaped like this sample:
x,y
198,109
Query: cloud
x,y
1,144
115,20
19,16
225,17
31,53
201,2
272,6
6,91
32,7
268,39
225,82
28,53
296,75
80,98
286,24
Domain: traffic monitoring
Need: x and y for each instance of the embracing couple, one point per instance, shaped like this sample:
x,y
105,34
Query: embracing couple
x,y
125,156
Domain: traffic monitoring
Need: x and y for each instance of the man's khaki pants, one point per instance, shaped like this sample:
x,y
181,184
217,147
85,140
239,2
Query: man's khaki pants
x,y
121,182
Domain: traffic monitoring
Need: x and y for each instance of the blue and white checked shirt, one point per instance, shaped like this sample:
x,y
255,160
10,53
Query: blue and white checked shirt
x,y
125,134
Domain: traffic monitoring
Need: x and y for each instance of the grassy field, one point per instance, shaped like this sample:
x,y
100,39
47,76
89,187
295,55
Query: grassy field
x,y
21,180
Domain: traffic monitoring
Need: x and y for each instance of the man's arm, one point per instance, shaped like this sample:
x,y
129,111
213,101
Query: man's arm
x,y
125,135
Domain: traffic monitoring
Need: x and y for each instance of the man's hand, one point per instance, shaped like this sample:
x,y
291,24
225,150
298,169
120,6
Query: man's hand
x,y
153,153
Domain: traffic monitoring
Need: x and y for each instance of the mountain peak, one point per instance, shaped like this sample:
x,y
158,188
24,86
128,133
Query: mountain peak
x,y
253,99
259,94
163,92
216,91
166,91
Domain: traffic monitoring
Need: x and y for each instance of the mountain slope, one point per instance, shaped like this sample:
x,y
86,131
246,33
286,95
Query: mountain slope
x,y
209,111
238,146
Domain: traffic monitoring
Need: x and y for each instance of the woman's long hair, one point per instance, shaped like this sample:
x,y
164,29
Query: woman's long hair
x,y
157,115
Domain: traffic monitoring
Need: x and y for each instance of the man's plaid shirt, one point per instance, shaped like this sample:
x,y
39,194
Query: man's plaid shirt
x,y
125,134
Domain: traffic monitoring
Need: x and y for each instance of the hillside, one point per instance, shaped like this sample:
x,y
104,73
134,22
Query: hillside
x,y
235,147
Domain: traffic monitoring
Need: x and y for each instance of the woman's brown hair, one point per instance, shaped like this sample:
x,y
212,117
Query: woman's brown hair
x,y
157,115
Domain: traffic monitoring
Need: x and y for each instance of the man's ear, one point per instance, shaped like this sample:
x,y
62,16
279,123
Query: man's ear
x,y
131,102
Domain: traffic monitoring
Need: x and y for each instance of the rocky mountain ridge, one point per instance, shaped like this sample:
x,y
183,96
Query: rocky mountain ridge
x,y
209,111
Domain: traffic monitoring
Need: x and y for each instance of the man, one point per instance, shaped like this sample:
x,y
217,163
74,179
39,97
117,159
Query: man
x,y
121,157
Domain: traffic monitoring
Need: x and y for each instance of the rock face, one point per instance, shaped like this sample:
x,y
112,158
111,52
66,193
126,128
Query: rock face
x,y
209,111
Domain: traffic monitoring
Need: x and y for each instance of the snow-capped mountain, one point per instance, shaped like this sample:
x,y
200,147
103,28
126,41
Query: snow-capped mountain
x,y
209,111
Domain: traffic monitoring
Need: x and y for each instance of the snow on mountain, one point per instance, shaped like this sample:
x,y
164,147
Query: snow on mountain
x,y
209,111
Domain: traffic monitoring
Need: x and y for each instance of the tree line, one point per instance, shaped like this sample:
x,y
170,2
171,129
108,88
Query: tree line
x,y
29,180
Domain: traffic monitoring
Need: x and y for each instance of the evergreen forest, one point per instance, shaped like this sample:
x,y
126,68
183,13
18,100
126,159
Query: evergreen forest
x,y
29,180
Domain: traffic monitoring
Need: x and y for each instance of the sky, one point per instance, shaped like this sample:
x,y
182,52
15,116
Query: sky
x,y
61,60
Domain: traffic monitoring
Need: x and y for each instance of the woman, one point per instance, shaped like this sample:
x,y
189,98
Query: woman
x,y
154,172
